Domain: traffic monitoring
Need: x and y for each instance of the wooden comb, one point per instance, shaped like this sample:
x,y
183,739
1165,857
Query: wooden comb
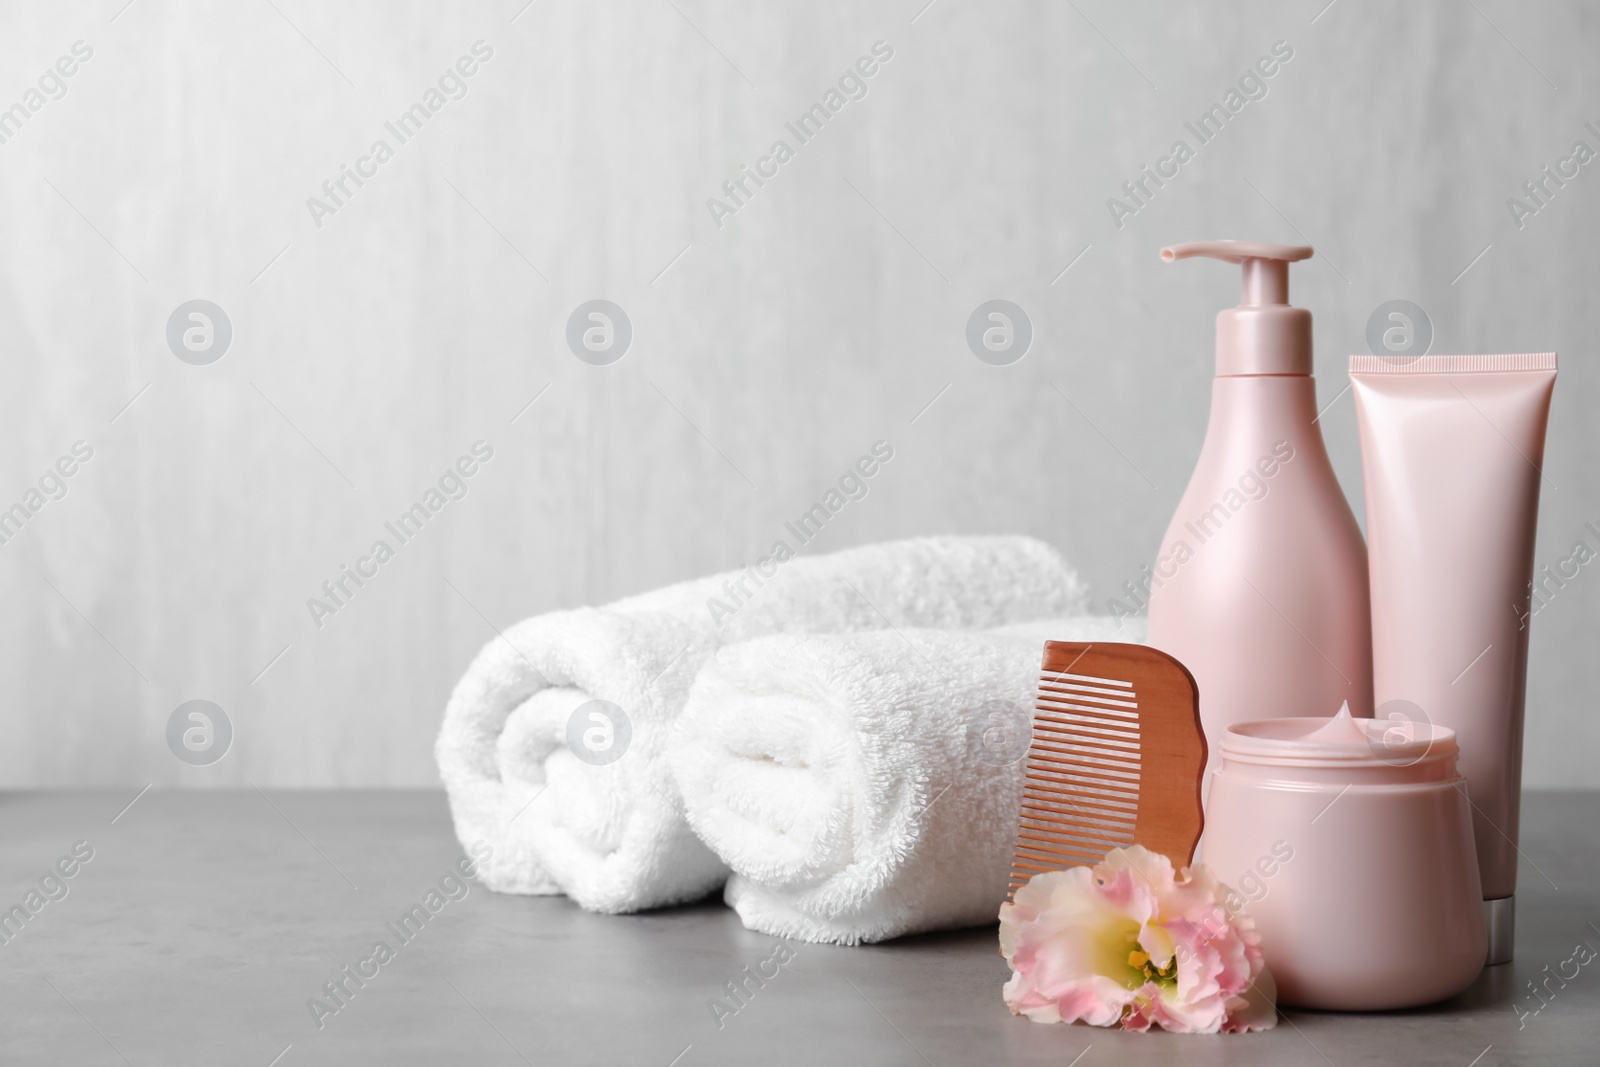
x,y
1116,759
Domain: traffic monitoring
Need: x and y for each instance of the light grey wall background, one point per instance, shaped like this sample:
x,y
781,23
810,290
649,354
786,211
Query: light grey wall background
x,y
768,353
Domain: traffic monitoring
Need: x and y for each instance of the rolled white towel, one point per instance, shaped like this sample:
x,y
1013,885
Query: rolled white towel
x,y
864,786
610,834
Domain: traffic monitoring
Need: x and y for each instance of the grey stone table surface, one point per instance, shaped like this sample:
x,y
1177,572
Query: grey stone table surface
x,y
204,922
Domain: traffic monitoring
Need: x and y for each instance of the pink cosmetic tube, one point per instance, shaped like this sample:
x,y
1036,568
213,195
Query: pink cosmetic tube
x,y
1452,449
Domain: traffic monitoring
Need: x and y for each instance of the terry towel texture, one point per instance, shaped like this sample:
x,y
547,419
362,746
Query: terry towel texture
x,y
612,835
865,786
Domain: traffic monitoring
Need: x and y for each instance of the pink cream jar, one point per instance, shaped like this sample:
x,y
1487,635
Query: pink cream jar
x,y
1350,842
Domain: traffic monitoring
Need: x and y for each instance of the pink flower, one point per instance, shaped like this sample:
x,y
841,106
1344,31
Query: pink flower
x,y
1130,942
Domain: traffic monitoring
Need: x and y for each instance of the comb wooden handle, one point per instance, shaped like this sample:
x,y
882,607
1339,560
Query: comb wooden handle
x,y
1116,759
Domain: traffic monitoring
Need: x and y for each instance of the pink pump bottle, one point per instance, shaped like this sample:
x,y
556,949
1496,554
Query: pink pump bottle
x,y
1260,588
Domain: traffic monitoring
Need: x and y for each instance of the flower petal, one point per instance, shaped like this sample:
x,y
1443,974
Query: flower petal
x,y
1157,941
1259,1007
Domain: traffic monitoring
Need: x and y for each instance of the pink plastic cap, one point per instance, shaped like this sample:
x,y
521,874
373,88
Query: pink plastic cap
x,y
1263,335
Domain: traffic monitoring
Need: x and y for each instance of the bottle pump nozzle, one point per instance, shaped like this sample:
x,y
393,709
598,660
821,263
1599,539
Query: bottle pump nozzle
x,y
1263,335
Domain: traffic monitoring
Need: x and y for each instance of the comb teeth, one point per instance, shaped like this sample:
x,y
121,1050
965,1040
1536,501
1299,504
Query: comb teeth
x,y
1081,794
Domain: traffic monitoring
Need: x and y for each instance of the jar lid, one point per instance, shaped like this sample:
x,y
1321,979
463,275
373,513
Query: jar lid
x,y
1342,740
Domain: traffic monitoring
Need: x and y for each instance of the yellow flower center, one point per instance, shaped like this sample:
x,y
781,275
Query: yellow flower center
x,y
1139,960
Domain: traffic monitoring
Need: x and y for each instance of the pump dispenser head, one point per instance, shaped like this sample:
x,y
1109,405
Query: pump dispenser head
x,y
1263,335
